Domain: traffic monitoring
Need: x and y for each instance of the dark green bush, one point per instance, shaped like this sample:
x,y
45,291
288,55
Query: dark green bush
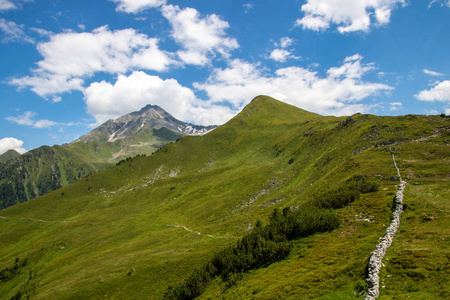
x,y
337,198
366,186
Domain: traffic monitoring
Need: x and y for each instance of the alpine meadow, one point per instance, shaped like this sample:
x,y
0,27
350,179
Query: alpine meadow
x,y
277,203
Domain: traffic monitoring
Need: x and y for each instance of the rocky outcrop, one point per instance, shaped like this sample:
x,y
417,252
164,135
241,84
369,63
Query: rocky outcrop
x,y
375,260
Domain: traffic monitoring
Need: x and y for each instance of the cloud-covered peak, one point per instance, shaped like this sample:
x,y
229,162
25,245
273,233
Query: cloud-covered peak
x,y
348,15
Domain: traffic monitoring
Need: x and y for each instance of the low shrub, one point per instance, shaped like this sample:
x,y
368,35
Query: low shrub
x,y
337,198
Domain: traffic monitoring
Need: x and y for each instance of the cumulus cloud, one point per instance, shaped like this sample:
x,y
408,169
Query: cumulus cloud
x,y
13,32
432,73
440,92
286,42
130,93
28,119
200,37
135,6
338,93
71,57
349,15
10,143
282,54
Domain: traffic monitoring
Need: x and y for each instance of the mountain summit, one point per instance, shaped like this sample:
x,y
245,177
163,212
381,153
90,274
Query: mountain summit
x,y
150,117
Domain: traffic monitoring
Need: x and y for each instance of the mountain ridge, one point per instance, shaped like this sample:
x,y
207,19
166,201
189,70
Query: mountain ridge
x,y
136,229
47,168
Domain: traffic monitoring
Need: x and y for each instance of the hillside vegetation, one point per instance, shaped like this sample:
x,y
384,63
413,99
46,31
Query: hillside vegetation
x,y
142,229
8,155
45,169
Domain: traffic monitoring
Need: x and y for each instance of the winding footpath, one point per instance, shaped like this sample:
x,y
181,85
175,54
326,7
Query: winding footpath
x,y
375,260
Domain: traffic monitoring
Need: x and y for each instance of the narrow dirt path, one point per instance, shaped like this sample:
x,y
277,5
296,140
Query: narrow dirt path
x,y
199,233
66,221
376,258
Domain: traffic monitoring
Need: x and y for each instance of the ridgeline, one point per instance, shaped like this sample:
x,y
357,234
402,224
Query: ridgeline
x,y
243,191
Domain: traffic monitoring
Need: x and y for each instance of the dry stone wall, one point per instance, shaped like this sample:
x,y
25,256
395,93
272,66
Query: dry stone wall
x,y
376,257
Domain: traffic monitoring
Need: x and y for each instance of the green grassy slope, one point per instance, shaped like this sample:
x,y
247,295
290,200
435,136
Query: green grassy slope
x,y
131,231
45,169
9,155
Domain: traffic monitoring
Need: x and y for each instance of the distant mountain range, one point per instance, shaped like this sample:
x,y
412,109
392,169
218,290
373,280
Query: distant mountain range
x,y
45,169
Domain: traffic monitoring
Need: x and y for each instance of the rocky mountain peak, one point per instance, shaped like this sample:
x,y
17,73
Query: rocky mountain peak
x,y
150,117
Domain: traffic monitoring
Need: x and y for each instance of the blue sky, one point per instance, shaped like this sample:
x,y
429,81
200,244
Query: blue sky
x,y
68,66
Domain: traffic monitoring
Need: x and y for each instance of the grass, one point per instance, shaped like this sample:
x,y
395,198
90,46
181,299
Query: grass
x,y
113,234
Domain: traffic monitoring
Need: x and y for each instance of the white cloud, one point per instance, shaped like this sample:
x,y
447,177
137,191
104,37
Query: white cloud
x,y
432,73
395,105
286,42
6,5
106,101
338,93
45,84
71,57
440,92
24,119
247,7
280,55
312,23
349,15
442,2
200,38
27,119
44,124
42,32
12,4
10,143
135,6
431,112
13,32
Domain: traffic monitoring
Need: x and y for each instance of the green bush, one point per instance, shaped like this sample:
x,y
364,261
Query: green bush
x,y
366,186
337,198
